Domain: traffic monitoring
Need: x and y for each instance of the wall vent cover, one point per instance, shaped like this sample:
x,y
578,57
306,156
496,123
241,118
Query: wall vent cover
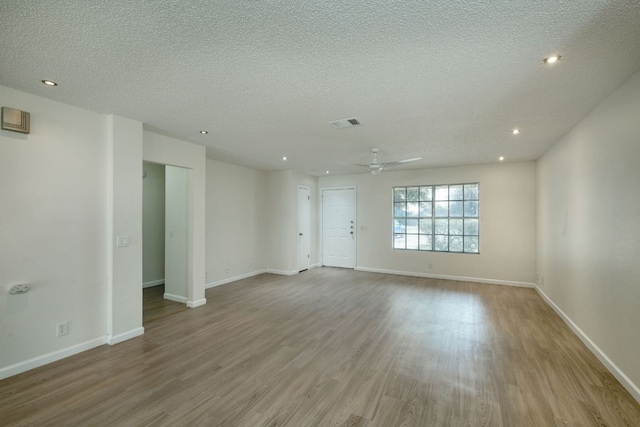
x,y
344,123
15,120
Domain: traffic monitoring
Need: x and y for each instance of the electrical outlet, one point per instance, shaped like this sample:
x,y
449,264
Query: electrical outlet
x,y
62,328
226,270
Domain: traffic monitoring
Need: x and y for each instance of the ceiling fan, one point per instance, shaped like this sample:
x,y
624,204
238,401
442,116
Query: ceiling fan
x,y
377,167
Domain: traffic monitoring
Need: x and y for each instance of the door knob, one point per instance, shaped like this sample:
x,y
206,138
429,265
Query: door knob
x,y
299,234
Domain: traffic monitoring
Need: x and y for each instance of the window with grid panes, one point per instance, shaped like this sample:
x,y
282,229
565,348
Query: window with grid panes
x,y
442,218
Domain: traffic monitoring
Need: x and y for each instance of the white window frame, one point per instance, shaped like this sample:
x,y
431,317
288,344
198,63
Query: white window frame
x,y
468,219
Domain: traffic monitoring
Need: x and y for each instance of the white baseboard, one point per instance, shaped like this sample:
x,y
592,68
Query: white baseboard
x,y
153,283
176,298
36,362
233,279
632,388
447,277
196,303
115,339
314,266
281,272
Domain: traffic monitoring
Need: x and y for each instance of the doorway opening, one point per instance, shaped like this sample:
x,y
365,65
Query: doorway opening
x,y
165,240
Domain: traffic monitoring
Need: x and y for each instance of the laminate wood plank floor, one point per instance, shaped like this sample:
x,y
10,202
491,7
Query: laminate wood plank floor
x,y
333,347
154,306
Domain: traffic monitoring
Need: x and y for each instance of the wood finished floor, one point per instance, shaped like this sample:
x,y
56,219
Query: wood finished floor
x,y
154,306
332,347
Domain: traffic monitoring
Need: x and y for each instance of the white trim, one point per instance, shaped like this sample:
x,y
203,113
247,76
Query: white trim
x,y
176,298
447,277
196,303
316,265
282,272
632,388
36,362
233,279
116,339
298,228
153,283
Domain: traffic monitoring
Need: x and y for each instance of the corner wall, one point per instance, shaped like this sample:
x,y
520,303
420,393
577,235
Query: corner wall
x,y
176,243
124,221
588,239
236,222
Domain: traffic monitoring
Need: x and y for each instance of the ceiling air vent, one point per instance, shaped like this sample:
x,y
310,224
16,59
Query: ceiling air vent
x,y
344,123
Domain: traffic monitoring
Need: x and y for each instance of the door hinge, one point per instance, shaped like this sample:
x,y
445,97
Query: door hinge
x,y
308,197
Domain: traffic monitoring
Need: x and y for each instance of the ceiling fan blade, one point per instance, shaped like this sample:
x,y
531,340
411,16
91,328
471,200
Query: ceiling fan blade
x,y
409,160
401,162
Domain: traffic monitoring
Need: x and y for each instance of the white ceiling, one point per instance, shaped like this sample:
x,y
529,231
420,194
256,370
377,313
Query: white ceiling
x,y
444,80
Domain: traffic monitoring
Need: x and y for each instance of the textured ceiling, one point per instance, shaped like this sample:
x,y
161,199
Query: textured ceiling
x,y
444,80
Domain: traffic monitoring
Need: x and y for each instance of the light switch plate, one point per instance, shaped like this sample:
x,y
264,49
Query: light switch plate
x,y
122,241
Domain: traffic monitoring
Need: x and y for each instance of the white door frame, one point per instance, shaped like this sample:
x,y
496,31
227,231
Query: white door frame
x,y
308,231
321,222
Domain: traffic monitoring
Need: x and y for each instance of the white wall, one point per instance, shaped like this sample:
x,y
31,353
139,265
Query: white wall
x,y
153,219
281,219
176,233
588,240
236,222
170,151
310,182
124,219
507,223
53,223
252,221
282,216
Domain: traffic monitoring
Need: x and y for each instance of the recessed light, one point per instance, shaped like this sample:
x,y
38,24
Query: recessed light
x,y
49,83
551,59
204,132
284,158
327,172
501,158
515,131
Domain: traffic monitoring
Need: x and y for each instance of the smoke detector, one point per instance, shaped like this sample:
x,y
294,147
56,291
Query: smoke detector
x,y
344,123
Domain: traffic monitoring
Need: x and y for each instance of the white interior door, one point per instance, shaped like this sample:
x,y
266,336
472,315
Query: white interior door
x,y
304,228
339,228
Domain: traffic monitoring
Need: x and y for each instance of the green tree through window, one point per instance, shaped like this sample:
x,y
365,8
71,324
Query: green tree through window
x,y
442,218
